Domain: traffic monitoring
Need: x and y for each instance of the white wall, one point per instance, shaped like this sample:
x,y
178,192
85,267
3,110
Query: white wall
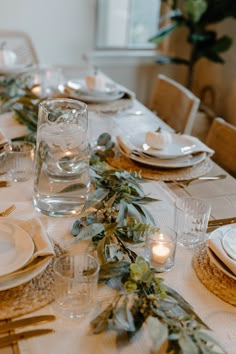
x,y
61,30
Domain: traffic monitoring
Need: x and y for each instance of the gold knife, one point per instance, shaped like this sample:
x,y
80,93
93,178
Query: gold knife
x,y
221,222
26,322
12,338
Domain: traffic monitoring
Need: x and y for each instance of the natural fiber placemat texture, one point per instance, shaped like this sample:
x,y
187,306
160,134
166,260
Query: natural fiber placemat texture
x,y
30,296
161,174
213,278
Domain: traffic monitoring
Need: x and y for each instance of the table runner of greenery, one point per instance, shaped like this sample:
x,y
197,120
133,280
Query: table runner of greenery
x,y
114,216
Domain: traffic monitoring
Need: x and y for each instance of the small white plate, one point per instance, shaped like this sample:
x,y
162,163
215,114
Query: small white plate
x,y
172,163
78,90
16,247
24,275
181,145
216,233
79,85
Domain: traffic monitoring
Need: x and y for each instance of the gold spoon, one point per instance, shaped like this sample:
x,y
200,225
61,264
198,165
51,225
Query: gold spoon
x,y
8,210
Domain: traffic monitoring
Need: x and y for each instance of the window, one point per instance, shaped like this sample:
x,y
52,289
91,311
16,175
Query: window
x,y
126,24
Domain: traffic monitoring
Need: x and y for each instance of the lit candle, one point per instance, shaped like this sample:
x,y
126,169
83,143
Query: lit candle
x,y
160,253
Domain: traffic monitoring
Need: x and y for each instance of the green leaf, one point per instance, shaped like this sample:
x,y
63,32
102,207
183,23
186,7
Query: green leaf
x,y
222,44
164,31
113,270
100,323
72,188
205,337
88,232
171,60
187,345
195,9
158,332
123,319
103,139
147,216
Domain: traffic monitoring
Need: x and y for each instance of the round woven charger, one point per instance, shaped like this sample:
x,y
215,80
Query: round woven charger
x,y
30,296
213,278
161,174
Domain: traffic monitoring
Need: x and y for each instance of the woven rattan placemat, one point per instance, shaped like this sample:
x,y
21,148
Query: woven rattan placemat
x,y
158,174
213,278
30,296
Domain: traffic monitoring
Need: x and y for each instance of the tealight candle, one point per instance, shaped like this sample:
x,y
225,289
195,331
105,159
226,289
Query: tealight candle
x,y
160,249
160,253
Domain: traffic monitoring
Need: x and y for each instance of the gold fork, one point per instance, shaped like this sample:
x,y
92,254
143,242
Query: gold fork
x,y
8,210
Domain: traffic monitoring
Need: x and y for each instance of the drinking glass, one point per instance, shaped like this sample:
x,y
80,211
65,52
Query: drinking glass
x,y
75,284
61,176
19,157
191,220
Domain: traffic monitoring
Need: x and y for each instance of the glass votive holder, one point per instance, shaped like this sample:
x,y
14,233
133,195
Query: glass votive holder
x,y
160,249
191,220
75,284
19,160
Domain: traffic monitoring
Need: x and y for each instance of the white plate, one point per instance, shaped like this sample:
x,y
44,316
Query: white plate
x,y
216,233
166,163
181,145
16,247
24,275
79,85
93,96
155,162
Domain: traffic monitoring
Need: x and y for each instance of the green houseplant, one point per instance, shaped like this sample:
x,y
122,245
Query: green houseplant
x,y
196,16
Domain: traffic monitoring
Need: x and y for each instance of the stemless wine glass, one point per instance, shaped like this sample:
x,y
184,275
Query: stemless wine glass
x,y
61,178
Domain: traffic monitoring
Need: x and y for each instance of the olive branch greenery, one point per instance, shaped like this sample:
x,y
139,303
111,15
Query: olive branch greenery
x,y
115,216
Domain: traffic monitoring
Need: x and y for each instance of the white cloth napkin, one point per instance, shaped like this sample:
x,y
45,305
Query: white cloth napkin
x,y
127,146
42,245
215,244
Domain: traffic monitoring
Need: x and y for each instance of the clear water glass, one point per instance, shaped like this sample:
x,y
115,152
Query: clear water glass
x,y
61,176
75,284
191,220
19,156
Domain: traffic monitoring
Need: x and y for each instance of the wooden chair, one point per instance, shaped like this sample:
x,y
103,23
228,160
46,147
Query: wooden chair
x,y
174,104
21,44
222,138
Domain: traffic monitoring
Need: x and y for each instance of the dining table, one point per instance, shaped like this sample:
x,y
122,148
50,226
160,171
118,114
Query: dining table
x,y
74,336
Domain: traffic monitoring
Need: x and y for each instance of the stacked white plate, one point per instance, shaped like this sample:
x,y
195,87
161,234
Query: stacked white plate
x,y
183,151
77,89
221,249
16,250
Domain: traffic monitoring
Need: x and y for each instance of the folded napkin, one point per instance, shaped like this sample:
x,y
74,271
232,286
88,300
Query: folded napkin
x,y
127,147
200,146
215,244
42,245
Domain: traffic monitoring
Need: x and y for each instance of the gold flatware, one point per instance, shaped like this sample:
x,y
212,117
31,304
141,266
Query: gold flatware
x,y
13,338
221,222
8,211
183,184
26,322
4,184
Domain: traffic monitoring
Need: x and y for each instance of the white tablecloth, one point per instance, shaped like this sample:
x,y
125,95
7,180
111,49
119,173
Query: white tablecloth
x,y
74,336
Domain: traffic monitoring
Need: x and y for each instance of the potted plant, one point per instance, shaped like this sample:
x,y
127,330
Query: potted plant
x,y
196,16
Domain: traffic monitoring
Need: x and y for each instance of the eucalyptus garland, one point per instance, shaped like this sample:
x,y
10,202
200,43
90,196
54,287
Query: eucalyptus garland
x,y
114,217
118,217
